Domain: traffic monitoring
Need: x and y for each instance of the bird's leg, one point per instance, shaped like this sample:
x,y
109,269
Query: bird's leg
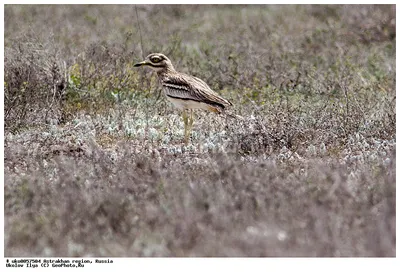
x,y
191,120
189,126
185,121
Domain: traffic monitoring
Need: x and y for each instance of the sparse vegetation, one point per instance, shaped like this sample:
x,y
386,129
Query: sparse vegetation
x,y
94,159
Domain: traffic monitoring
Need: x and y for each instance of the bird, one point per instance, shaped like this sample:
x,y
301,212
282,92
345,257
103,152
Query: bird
x,y
184,91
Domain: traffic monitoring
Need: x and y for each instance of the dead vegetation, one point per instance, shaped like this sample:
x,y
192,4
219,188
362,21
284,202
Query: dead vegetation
x,y
94,159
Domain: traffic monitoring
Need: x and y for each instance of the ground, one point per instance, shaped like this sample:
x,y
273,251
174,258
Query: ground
x,y
95,163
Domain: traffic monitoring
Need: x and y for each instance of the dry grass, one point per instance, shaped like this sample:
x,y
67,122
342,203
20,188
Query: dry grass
x,y
94,159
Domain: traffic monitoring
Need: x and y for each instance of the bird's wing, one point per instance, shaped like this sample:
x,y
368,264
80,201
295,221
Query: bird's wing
x,y
192,88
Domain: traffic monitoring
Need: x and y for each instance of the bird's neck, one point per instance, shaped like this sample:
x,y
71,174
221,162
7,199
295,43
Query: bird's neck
x,y
165,71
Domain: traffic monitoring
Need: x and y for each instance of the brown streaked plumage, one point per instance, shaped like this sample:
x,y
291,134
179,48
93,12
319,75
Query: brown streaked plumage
x,y
184,91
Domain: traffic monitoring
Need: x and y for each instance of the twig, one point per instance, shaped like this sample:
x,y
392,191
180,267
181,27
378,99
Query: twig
x,y
140,31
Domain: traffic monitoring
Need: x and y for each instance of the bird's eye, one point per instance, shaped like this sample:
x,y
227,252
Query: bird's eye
x,y
155,59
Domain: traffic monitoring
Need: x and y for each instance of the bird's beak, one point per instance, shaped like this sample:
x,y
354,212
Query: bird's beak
x,y
143,63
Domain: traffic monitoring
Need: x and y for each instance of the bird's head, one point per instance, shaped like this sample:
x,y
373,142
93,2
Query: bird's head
x,y
157,62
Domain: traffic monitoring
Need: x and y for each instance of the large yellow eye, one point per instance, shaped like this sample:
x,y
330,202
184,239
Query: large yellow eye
x,y
155,59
